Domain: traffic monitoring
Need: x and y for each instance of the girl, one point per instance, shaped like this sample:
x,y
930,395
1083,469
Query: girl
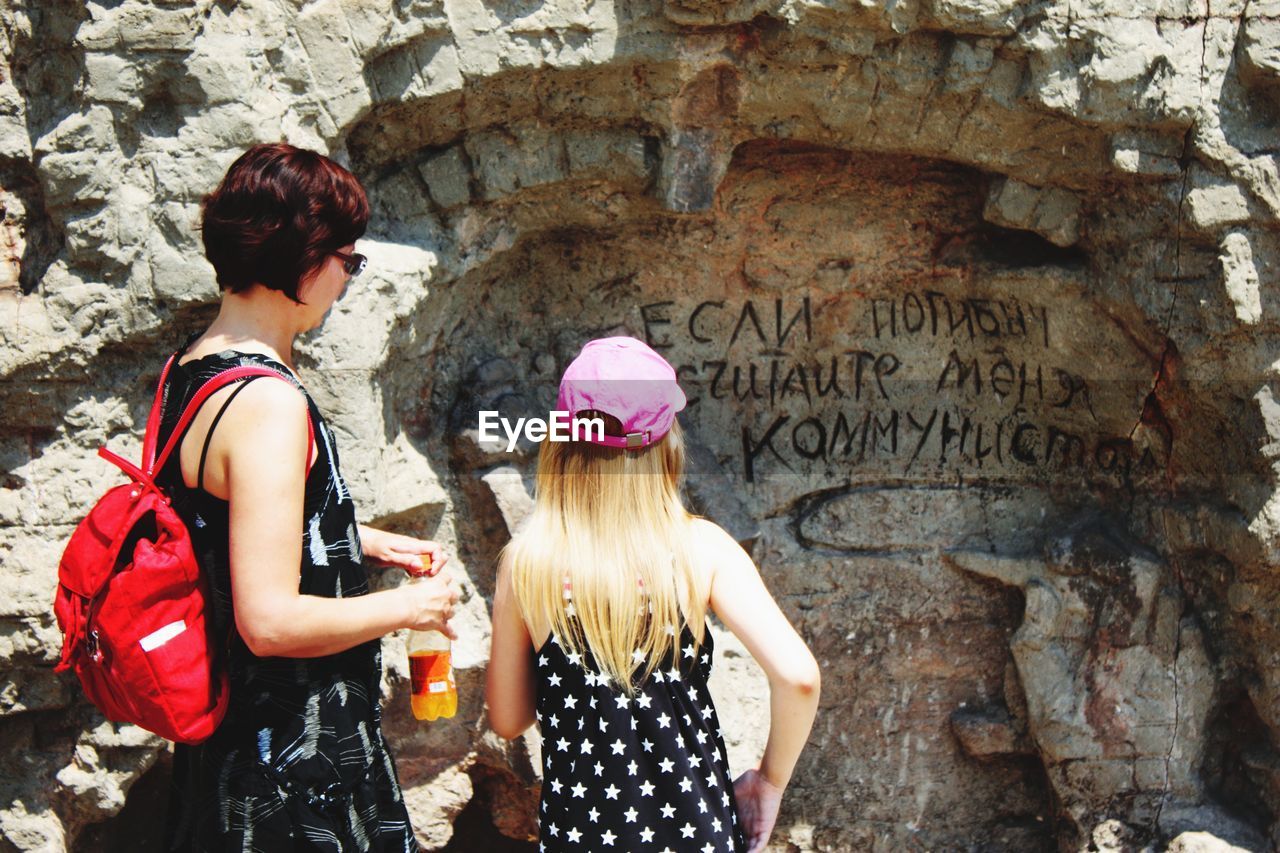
x,y
299,762
599,632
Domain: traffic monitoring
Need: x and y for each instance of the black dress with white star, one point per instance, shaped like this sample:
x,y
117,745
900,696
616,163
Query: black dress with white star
x,y
639,773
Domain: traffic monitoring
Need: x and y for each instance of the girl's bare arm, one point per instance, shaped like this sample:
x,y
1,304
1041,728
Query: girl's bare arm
x,y
509,689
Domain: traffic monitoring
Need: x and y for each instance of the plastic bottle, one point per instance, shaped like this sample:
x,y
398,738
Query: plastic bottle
x,y
435,694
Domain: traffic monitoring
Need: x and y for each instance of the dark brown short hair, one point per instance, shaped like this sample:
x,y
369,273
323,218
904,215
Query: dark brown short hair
x,y
278,213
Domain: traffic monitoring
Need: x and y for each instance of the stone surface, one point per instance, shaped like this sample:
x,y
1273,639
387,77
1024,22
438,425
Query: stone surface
x,y
1118,685
1054,214
1201,842
974,301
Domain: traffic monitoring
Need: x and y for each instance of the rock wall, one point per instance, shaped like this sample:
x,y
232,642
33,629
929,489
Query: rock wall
x,y
972,298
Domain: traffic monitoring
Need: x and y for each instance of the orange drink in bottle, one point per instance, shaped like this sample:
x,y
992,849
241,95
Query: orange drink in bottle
x,y
435,694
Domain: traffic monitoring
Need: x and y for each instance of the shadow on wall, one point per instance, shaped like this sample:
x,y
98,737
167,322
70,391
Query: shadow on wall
x,y
139,827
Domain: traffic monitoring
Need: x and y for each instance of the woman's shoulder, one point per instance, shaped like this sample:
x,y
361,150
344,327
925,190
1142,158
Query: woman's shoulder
x,y
265,408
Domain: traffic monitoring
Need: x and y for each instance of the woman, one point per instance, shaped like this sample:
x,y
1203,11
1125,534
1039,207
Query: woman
x,y
599,632
299,762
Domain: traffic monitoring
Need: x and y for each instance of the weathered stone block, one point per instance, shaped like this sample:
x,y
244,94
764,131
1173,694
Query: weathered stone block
x,y
142,27
984,17
1240,277
620,156
448,177
1259,51
1201,842
505,163
335,65
510,492
370,23
1051,212
709,12
1214,202
988,734
423,68
221,69
1146,153
693,162
181,278
111,78
969,66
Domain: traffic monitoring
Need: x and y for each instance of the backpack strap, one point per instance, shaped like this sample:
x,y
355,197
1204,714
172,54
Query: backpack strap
x,y
208,438
152,433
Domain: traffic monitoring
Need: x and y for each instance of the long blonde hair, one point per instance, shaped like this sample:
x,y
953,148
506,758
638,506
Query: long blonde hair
x,y
605,558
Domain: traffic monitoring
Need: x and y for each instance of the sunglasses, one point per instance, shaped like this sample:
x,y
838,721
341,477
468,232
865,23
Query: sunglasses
x,y
354,264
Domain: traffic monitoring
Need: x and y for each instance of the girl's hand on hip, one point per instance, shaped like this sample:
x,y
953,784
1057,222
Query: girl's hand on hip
x,y
758,802
394,549
431,601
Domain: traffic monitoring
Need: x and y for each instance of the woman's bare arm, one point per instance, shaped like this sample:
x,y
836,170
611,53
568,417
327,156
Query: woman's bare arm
x,y
258,454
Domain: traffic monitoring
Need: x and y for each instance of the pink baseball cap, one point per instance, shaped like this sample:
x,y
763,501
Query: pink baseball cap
x,y
625,378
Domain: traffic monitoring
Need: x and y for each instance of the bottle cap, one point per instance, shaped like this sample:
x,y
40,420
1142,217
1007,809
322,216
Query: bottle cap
x,y
425,571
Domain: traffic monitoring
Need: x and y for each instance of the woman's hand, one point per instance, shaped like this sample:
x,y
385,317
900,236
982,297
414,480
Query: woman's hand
x,y
431,601
758,802
393,549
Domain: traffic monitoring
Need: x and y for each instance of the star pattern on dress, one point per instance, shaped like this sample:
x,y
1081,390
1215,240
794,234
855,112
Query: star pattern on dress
x,y
632,771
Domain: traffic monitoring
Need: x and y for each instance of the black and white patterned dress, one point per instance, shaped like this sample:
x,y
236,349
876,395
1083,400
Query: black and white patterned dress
x,y
300,762
641,773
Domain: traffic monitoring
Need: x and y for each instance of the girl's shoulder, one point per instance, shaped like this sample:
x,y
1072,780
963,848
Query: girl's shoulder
x,y
711,541
717,552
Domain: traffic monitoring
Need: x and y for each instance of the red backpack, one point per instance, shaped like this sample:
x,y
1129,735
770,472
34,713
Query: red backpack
x,y
132,602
